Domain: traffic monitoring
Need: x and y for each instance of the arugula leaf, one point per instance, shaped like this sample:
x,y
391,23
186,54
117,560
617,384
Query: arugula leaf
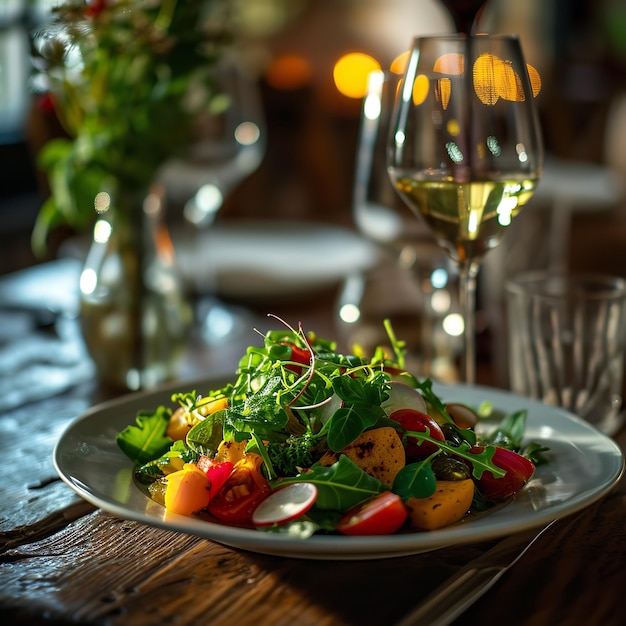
x,y
269,426
510,431
339,486
426,389
147,440
481,461
510,434
535,452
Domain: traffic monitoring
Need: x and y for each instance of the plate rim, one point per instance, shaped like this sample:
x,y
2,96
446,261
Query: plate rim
x,y
329,547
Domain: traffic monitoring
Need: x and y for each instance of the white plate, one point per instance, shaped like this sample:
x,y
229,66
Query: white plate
x,y
263,260
253,261
585,465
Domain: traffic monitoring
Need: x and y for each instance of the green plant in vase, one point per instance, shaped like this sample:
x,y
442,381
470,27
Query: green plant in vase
x,y
128,79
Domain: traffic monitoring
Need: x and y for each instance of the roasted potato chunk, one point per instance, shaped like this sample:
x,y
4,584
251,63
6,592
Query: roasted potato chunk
x,y
378,452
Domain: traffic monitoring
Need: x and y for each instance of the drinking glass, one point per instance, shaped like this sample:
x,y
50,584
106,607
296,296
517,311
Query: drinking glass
x,y
465,150
566,342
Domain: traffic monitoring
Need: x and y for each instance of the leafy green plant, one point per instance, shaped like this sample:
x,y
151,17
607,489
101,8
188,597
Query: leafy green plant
x,y
128,79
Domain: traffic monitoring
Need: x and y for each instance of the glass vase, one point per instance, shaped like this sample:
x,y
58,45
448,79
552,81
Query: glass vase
x,y
134,315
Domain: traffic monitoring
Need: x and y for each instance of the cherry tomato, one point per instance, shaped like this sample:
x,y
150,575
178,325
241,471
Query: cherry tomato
x,y
299,355
411,419
244,489
518,472
384,514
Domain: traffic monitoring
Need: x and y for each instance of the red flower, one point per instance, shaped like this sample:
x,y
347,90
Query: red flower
x,y
46,102
95,7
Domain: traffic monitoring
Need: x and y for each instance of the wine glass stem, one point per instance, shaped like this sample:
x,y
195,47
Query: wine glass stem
x,y
468,273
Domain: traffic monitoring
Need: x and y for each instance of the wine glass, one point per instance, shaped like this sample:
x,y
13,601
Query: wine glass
x,y
465,150
229,146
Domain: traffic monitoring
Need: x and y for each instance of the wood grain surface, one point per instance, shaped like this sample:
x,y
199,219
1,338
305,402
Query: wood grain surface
x,y
64,562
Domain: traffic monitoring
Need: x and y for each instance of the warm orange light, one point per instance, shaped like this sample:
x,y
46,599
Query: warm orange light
x,y
486,72
453,127
495,78
420,89
443,90
535,80
351,73
289,72
451,63
398,65
509,83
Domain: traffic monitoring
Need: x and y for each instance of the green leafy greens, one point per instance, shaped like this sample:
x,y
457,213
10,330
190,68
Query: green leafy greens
x,y
296,398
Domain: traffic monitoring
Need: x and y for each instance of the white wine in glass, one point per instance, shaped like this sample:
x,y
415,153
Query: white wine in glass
x,y
465,150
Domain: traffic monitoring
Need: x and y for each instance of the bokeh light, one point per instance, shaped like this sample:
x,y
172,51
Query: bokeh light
x,y
453,324
349,313
450,63
398,65
443,89
420,89
351,73
535,80
289,72
102,202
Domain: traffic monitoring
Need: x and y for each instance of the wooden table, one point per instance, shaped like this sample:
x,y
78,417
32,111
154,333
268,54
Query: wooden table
x,y
64,562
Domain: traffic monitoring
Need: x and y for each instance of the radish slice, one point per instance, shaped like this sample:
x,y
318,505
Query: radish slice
x,y
402,396
285,505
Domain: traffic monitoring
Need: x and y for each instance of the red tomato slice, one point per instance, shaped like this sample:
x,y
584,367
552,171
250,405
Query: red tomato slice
x,y
518,472
411,419
218,473
384,514
299,355
244,489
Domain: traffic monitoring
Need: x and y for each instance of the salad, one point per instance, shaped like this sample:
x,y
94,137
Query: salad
x,y
308,440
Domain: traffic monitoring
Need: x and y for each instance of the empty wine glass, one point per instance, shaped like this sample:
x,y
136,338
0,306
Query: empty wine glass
x,y
465,150
228,148
412,281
